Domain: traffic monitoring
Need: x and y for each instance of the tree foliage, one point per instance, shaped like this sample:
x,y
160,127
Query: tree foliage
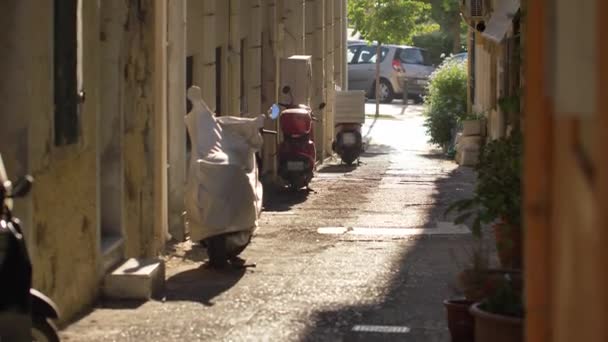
x,y
446,13
388,21
446,103
450,36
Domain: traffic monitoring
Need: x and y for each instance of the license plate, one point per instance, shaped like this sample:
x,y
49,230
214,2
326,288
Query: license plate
x,y
349,139
295,165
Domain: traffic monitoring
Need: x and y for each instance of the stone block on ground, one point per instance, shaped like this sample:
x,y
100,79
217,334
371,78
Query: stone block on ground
x,y
470,142
135,279
473,127
467,157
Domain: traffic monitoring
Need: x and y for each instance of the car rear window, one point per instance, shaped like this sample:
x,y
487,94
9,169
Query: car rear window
x,y
414,56
367,54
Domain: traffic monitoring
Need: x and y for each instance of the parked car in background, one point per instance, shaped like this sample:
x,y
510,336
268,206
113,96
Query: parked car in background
x,y
398,63
459,57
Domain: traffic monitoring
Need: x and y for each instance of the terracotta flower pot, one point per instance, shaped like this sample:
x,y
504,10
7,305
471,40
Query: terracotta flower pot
x,y
509,245
491,327
460,321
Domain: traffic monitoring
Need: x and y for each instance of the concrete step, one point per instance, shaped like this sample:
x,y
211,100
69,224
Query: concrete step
x,y
135,279
112,249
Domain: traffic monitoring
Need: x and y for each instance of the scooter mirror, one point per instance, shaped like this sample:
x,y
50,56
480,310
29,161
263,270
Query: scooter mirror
x,y
322,105
275,111
286,89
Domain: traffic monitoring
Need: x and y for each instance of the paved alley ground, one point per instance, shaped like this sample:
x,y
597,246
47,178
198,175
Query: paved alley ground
x,y
368,248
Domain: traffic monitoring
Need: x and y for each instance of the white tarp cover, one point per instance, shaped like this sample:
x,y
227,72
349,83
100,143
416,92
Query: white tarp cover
x,y
501,19
223,193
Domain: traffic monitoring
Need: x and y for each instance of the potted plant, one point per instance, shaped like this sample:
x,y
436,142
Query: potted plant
x,y
473,124
497,197
460,321
499,318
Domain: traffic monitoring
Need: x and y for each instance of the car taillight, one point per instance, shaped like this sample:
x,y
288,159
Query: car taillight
x,y
397,65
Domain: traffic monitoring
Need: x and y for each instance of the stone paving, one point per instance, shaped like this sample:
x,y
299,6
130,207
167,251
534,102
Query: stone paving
x,y
307,286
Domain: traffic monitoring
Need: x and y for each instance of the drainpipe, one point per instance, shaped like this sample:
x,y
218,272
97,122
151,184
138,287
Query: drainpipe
x,y
160,134
344,44
176,111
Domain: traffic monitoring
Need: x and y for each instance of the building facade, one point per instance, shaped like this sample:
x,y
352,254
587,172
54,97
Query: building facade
x,y
494,64
94,96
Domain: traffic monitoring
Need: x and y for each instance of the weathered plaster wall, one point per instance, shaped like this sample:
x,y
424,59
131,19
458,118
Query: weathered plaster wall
x,y
142,142
330,83
315,46
254,56
64,216
113,17
204,36
269,79
14,90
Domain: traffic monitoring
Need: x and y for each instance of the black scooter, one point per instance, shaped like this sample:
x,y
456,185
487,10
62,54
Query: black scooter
x,y
25,314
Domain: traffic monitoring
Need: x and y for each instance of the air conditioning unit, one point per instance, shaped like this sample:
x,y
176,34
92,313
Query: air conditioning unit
x,y
474,10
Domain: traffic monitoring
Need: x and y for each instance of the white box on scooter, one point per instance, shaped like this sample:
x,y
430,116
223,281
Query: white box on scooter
x,y
349,107
296,72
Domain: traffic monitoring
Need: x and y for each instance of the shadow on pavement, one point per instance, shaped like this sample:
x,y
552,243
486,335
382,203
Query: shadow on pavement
x,y
201,284
338,168
374,150
438,155
283,199
424,275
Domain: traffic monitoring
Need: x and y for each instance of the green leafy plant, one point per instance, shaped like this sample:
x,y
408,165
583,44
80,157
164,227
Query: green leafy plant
x,y
504,301
498,194
437,43
473,116
446,103
509,104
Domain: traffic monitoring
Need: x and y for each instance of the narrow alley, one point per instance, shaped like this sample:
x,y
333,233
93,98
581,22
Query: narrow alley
x,y
366,256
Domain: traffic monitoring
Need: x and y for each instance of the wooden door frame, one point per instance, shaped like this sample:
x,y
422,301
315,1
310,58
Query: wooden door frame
x,y
537,178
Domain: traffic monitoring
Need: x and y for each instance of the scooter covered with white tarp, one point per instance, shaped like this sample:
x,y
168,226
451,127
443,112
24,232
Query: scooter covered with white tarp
x,y
223,193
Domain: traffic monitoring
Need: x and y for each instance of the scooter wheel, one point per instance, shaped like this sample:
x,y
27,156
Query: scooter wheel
x,y
216,250
44,330
349,159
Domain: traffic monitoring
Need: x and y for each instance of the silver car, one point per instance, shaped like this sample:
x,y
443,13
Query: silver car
x,y
398,63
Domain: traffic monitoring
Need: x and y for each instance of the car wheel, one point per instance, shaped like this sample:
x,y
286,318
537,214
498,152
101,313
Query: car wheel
x,y
386,92
418,99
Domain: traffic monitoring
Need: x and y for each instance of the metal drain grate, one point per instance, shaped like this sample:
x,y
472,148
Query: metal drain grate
x,y
384,329
443,228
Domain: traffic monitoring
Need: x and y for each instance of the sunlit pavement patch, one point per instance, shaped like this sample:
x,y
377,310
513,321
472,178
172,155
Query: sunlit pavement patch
x,y
386,329
443,228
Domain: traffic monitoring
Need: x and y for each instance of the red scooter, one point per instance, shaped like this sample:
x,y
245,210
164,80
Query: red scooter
x,y
297,152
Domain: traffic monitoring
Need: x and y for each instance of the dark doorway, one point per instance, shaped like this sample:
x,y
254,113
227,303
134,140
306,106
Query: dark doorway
x,y
189,83
65,58
218,81
243,94
189,79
